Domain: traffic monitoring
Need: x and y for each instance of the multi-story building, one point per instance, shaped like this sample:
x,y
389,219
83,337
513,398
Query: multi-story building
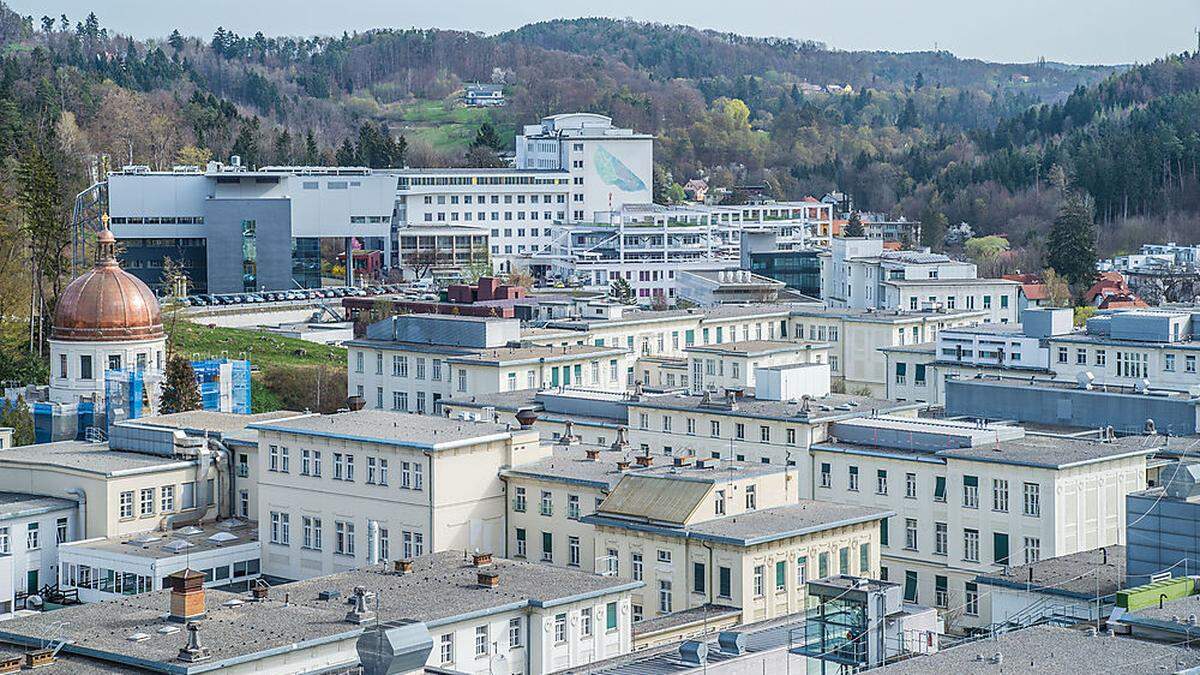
x,y
971,499
608,166
858,273
733,365
410,362
336,492
32,530
450,611
238,230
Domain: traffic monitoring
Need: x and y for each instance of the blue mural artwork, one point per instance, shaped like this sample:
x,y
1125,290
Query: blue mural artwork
x,y
614,172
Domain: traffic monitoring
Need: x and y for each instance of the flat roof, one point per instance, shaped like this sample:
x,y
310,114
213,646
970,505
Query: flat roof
x,y
887,315
94,458
571,466
198,422
22,505
826,407
952,282
443,588
757,347
1051,650
762,526
1037,451
536,353
182,541
1073,575
386,427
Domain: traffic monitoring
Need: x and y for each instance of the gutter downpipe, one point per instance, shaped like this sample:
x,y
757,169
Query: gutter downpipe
x,y
80,498
431,548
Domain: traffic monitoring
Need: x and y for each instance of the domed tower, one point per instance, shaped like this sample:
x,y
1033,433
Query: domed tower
x,y
106,319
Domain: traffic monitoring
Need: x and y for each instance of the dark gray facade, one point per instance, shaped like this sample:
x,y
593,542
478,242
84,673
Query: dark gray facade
x,y
1162,534
143,258
1042,403
272,220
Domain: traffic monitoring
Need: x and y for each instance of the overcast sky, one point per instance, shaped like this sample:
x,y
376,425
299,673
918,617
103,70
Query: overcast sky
x,y
1075,31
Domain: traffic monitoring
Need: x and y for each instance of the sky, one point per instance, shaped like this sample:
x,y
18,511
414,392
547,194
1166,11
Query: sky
x,y
1072,31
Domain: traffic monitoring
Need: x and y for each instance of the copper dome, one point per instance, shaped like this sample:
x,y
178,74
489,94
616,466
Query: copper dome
x,y
107,303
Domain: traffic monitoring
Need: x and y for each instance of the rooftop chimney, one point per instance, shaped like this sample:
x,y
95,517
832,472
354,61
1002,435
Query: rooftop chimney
x,y
360,614
683,460
38,658
187,595
488,579
403,566
194,651
481,559
644,460
593,454
623,466
259,590
10,664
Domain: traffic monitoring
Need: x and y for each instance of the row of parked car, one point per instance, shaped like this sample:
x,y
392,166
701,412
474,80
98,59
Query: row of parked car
x,y
215,300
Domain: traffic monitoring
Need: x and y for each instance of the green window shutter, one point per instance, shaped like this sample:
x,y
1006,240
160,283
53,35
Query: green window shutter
x,y
1000,548
780,575
725,582
610,616
822,565
939,489
910,586
971,481
883,531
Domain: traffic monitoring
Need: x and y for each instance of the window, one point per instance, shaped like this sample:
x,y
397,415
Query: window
x,y
610,616
1101,357
5,543
759,572
547,503
826,475
864,560
910,586
637,566
60,531
751,498
853,486
520,542
519,500
910,534
280,528
481,641
32,540
573,507
1033,550
970,492
881,482
167,499
560,628
739,431
1189,364
663,556
344,537
1062,354
127,504
910,486
971,545
724,582
883,532
780,575
146,502
514,633
939,489
941,595
312,533
940,538
1000,495
698,577
547,547
446,648
285,460
801,570
244,503
764,434
585,622
971,595
714,428
573,551
844,560
719,503
1000,548
1033,500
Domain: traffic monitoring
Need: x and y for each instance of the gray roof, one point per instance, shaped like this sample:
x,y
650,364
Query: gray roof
x,y
886,315
757,347
222,424
839,405
952,282
1073,575
1054,452
570,465
428,432
163,545
68,664
993,327
88,457
1172,615
23,505
536,354
1051,650
443,587
757,527
101,630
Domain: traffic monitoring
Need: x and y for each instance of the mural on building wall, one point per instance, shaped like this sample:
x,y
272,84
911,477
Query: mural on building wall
x,y
614,172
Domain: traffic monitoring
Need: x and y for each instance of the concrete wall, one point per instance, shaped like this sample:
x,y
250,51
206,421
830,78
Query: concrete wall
x,y
1163,535
273,223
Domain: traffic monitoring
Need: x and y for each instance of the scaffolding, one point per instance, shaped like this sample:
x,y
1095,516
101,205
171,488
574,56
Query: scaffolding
x,y
224,384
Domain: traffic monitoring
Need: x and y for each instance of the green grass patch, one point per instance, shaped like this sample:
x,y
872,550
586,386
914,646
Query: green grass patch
x,y
262,348
447,125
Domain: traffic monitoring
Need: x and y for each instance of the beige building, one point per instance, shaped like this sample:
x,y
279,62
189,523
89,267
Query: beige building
x,y
971,499
732,365
340,491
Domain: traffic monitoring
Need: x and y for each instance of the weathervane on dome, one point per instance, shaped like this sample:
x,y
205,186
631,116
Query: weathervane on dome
x,y
106,243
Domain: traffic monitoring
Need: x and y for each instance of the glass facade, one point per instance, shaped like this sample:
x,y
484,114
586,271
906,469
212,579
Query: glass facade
x,y
306,262
249,255
799,270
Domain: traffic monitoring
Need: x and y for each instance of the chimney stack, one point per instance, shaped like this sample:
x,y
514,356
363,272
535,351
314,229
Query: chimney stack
x,y
10,664
644,460
403,566
489,579
623,466
361,613
481,559
187,595
259,590
593,454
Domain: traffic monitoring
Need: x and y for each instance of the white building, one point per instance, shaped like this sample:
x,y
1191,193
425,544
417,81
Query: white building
x,y
608,166
858,273
33,528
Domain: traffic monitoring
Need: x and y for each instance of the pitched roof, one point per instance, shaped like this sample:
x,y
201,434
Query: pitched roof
x,y
654,498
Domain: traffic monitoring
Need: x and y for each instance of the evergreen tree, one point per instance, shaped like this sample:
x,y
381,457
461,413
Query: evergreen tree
x,y
179,390
345,154
933,227
176,41
621,291
487,137
312,154
17,415
283,147
246,143
909,119
855,227
1071,244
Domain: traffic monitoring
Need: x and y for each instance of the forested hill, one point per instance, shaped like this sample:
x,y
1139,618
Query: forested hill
x,y
673,51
